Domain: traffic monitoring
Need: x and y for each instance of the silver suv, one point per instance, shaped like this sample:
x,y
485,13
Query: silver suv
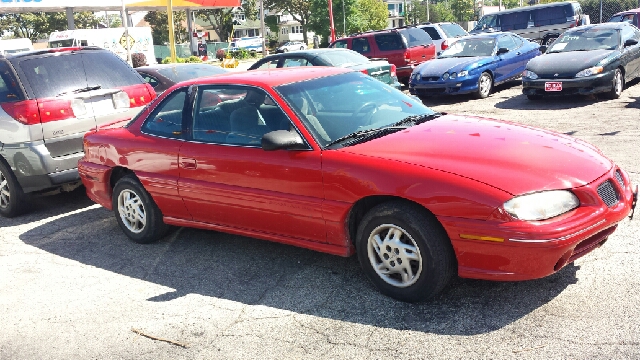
x,y
539,23
48,100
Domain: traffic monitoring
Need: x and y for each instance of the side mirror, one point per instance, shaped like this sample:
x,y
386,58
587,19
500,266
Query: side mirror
x,y
543,49
439,53
630,42
281,139
502,51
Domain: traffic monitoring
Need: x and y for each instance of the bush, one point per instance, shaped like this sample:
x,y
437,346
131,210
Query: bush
x,y
190,59
220,54
193,59
138,59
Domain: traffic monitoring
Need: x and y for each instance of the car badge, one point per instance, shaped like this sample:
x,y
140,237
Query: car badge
x,y
556,75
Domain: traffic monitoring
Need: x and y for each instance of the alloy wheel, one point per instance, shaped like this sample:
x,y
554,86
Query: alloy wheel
x,y
132,212
5,195
394,255
485,85
617,83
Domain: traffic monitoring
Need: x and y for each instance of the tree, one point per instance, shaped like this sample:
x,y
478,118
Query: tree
x,y
343,21
462,9
38,25
158,20
112,20
300,10
371,15
609,7
221,21
271,21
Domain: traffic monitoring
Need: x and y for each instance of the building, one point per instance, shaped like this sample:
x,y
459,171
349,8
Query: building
x,y
397,12
290,29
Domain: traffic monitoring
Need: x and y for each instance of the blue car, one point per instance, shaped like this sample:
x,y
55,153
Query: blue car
x,y
473,65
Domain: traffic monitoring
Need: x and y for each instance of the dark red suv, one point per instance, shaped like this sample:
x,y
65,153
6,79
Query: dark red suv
x,y
405,47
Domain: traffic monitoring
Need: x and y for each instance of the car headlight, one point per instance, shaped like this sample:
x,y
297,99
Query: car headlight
x,y
530,74
542,205
445,76
463,73
416,75
590,71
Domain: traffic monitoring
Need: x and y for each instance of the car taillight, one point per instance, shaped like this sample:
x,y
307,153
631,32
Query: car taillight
x,y
139,95
364,71
25,111
393,70
407,56
444,45
55,109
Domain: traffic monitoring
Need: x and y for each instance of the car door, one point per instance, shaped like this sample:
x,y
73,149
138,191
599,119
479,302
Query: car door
x,y
524,52
630,54
228,180
508,63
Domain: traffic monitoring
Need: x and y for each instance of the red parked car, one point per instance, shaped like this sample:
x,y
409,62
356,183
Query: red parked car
x,y
338,162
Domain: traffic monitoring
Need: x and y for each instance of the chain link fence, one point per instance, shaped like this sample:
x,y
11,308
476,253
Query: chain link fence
x,y
602,10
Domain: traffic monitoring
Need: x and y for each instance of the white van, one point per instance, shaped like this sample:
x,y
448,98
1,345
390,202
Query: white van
x,y
110,38
253,43
13,46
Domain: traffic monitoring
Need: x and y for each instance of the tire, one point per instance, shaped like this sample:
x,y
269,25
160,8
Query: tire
x,y
285,50
485,84
426,263
301,47
617,86
549,40
534,97
137,214
12,198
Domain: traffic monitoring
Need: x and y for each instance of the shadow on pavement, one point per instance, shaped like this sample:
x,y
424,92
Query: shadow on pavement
x,y
41,207
255,272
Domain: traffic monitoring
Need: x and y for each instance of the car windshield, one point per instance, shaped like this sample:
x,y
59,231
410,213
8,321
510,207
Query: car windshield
x,y
470,48
585,40
188,72
453,30
344,58
335,106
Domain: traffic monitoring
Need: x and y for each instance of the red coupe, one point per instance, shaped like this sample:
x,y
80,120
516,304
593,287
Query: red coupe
x,y
338,162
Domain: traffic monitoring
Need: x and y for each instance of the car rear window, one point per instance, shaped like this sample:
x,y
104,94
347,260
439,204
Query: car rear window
x,y
415,37
188,72
389,41
52,75
109,71
9,88
343,58
452,30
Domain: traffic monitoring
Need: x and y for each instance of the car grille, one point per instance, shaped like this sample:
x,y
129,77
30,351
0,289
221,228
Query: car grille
x,y
619,178
431,78
607,193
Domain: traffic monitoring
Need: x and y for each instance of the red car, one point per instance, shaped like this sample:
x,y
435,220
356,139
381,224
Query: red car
x,y
338,162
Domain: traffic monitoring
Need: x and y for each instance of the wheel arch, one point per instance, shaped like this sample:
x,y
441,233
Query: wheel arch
x,y
117,173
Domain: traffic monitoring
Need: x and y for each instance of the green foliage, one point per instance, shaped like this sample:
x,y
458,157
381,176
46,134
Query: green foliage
x,y
159,22
114,20
609,7
462,10
221,21
371,15
300,10
271,21
319,21
189,60
242,54
38,25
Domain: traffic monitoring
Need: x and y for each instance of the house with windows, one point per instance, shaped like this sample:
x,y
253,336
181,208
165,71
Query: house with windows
x,y
397,12
290,29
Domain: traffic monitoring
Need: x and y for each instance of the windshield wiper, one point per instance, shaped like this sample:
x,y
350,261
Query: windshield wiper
x,y
81,90
363,133
417,119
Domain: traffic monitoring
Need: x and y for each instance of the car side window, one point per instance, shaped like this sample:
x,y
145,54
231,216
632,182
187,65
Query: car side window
x,y
150,79
389,42
627,33
433,33
518,40
628,18
166,119
341,44
298,61
235,115
506,42
636,34
361,45
271,64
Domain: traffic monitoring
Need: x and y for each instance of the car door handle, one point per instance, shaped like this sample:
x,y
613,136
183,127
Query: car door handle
x,y
188,164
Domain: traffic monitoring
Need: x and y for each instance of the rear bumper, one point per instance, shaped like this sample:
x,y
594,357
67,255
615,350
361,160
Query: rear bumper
x,y
580,86
36,169
521,250
95,178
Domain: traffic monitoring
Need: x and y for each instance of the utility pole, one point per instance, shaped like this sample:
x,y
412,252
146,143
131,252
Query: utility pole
x,y
172,39
264,49
333,28
125,19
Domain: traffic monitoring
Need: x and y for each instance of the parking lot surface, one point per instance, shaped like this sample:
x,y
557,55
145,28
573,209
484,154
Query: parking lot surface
x,y
72,286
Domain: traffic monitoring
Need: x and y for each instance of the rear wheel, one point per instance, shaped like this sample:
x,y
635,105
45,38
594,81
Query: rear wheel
x,y
136,212
12,198
301,47
485,84
617,86
405,251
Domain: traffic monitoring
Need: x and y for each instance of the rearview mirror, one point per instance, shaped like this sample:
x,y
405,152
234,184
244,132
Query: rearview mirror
x,y
543,48
281,139
502,51
630,42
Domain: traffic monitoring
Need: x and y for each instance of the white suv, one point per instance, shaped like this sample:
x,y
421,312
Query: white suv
x,y
48,100
443,34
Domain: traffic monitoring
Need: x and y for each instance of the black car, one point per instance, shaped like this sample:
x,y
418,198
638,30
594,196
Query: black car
x,y
586,60
164,76
378,69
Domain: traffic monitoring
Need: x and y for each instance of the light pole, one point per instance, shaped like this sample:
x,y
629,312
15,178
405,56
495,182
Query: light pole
x,y
172,39
264,49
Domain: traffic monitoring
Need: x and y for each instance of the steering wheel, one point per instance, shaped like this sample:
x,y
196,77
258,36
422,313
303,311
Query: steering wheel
x,y
373,107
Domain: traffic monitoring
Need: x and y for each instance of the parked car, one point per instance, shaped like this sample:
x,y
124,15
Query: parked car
x,y
541,23
335,161
163,76
474,64
378,69
405,47
587,60
443,34
291,46
629,16
50,99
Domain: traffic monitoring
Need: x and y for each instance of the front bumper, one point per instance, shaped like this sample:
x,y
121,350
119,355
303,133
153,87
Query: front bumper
x,y
579,86
524,250
465,85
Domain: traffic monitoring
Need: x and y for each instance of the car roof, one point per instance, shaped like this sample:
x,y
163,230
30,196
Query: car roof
x,y
607,25
308,52
53,51
631,11
533,7
488,35
269,77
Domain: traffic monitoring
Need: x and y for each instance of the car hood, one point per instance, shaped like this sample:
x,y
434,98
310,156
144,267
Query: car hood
x,y
567,63
514,158
437,67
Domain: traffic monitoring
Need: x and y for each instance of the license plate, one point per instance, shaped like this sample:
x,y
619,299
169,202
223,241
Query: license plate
x,y
553,86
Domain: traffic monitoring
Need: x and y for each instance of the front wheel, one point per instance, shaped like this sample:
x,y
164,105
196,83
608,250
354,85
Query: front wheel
x,y
12,198
136,212
617,86
405,252
485,84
